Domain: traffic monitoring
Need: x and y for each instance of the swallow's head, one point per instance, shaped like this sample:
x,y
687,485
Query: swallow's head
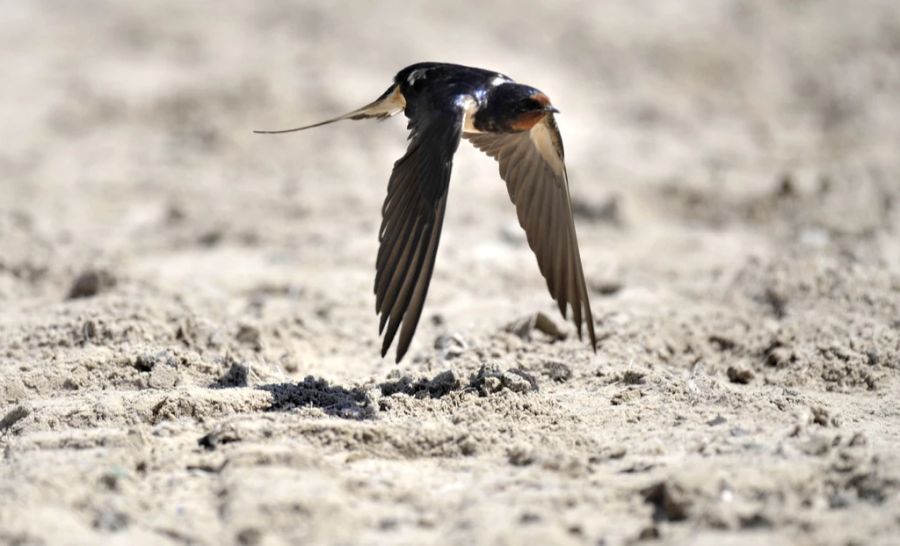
x,y
519,107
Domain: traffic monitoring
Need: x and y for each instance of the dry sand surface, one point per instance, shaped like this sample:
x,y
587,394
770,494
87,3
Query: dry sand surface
x,y
188,344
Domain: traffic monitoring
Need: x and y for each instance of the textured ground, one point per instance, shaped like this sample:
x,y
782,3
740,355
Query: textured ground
x,y
188,345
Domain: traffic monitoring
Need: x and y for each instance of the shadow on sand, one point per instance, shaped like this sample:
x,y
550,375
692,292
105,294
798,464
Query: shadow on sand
x,y
364,402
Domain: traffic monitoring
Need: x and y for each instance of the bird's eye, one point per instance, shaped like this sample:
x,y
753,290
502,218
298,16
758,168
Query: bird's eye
x,y
530,104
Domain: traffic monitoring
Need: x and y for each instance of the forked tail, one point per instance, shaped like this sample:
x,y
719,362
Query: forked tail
x,y
390,103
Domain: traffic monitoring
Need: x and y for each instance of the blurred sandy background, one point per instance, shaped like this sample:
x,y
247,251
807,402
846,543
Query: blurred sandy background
x,y
188,345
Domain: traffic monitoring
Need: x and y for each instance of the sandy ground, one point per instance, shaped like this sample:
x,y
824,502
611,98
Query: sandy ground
x,y
188,345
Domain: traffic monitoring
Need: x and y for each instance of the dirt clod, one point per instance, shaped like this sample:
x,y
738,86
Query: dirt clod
x,y
491,379
739,375
626,396
90,283
538,322
670,502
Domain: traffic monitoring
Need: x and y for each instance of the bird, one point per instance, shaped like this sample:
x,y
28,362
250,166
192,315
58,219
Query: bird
x,y
515,125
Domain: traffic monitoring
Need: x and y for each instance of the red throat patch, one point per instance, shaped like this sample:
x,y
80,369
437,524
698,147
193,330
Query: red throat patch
x,y
527,120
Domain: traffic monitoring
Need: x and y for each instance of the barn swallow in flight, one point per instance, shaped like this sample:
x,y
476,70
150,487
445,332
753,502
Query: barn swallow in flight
x,y
511,122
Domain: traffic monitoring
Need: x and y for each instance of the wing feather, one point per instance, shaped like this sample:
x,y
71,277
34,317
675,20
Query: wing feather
x,y
412,217
532,164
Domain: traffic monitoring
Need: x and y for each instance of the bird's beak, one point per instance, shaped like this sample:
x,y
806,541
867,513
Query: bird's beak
x,y
551,109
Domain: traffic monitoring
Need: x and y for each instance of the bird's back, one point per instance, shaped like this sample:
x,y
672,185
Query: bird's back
x,y
440,84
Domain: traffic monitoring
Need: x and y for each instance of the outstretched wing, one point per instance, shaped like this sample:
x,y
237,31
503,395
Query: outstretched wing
x,y
411,221
531,163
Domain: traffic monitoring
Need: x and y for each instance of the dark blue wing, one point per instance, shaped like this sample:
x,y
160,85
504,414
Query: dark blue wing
x,y
412,216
